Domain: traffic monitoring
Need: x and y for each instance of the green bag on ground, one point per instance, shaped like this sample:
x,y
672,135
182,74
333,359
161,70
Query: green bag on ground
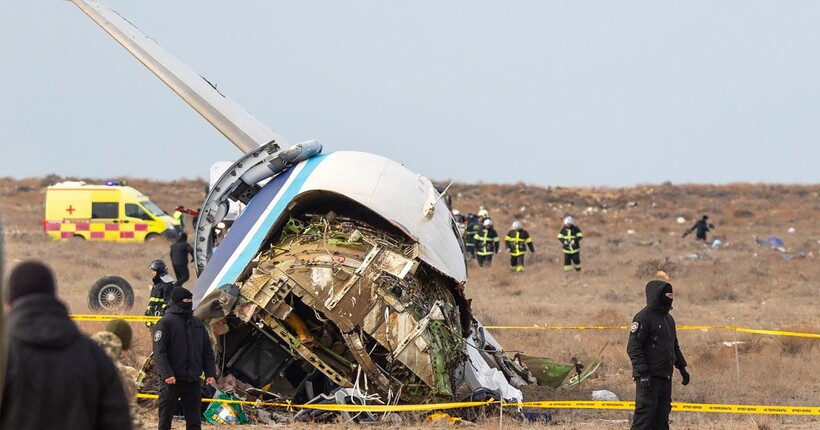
x,y
223,412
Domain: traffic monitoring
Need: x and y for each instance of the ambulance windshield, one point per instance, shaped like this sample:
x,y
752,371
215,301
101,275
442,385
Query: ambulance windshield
x,y
151,207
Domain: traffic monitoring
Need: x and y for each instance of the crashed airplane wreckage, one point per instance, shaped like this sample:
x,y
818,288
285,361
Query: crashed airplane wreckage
x,y
345,271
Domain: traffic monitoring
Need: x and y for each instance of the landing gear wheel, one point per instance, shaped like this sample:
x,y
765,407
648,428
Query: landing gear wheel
x,y
110,293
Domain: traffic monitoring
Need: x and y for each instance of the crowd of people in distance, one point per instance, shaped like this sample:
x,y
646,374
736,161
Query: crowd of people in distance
x,y
482,242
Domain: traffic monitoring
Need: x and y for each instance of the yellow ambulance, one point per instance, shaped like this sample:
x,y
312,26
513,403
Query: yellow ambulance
x,y
110,212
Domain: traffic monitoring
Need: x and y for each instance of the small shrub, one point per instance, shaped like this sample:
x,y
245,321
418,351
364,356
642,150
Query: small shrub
x,y
796,345
744,213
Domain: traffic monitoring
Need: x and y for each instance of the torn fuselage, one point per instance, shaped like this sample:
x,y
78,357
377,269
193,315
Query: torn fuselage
x,y
336,293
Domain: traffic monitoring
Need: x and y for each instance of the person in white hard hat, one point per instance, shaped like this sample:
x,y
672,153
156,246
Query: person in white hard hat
x,y
486,243
570,237
517,241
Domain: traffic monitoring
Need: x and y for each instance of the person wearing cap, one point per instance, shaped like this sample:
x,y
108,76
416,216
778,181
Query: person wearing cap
x,y
570,237
56,377
115,340
182,353
654,351
161,289
517,241
486,243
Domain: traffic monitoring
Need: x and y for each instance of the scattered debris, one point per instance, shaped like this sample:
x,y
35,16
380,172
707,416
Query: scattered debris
x,y
224,412
338,309
604,395
442,417
773,242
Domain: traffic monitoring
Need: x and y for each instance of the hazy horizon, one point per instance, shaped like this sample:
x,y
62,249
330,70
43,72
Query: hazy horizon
x,y
590,94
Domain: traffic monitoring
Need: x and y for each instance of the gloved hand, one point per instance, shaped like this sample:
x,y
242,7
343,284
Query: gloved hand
x,y
645,382
685,375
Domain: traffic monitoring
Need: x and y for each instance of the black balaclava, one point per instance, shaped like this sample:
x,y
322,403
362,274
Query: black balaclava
x,y
666,301
178,294
656,296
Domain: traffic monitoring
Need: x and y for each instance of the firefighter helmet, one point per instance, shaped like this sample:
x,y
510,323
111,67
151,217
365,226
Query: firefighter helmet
x,y
158,265
484,213
488,222
517,225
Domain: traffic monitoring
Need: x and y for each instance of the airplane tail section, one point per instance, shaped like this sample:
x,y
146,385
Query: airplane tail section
x,y
240,127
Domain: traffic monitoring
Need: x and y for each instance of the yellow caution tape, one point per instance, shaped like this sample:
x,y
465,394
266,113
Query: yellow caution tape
x,y
563,404
347,408
746,409
676,406
141,318
774,332
135,318
684,327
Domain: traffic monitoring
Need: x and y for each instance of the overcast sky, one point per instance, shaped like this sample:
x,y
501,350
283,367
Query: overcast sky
x,y
569,93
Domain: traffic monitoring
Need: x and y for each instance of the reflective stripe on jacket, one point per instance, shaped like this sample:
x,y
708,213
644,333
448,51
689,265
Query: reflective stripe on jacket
x,y
570,238
517,242
486,242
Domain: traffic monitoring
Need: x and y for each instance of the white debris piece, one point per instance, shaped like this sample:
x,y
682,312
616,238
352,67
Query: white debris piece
x,y
604,395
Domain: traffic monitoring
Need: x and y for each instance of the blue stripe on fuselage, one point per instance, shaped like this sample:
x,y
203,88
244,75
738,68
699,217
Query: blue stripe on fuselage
x,y
246,222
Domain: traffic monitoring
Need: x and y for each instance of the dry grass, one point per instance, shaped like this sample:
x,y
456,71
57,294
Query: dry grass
x,y
741,282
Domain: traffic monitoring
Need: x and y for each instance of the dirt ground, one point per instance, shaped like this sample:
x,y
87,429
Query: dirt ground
x,y
629,234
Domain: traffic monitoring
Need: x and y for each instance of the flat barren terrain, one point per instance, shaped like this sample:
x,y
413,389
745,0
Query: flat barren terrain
x,y
629,235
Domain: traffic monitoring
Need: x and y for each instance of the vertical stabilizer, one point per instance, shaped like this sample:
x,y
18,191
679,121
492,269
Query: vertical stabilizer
x,y
240,127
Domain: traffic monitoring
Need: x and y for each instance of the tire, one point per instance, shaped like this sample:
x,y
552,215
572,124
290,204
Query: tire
x,y
110,293
150,237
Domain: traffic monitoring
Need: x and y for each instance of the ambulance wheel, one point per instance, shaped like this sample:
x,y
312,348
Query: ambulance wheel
x,y
151,237
110,293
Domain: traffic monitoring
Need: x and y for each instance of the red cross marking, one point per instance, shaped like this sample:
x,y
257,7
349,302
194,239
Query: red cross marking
x,y
70,210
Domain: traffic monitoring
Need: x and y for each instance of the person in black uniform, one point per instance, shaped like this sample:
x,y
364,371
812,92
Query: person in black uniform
x,y
570,237
56,377
700,228
180,250
473,227
160,290
182,352
654,351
